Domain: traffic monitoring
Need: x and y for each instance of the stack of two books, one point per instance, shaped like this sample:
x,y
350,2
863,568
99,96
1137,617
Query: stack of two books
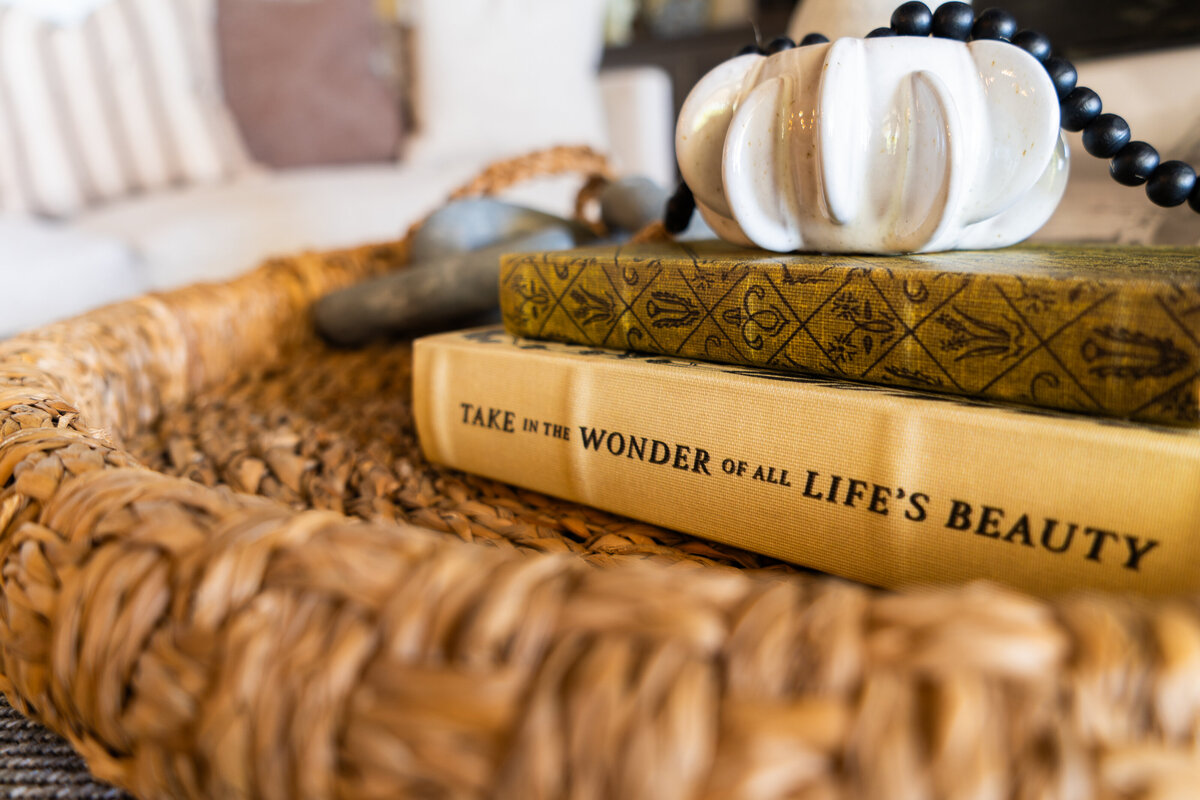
x,y
1026,415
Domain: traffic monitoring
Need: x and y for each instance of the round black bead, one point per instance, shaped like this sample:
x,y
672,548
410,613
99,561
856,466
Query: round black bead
x,y
750,50
1134,164
912,19
953,21
1063,74
995,23
779,45
1171,184
875,34
1106,135
1194,198
1079,108
814,38
1034,43
680,207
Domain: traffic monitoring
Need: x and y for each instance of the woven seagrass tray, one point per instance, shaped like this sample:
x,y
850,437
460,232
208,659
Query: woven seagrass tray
x,y
227,572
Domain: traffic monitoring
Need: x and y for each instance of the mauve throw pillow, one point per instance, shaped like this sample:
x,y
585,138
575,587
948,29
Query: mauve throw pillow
x,y
302,79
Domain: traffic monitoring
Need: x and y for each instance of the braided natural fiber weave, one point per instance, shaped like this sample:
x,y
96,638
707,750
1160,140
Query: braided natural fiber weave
x,y
227,572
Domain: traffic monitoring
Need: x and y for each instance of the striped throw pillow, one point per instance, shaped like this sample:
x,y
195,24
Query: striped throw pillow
x,y
125,100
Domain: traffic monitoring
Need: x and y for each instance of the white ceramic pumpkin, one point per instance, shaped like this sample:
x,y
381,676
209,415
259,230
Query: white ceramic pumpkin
x,y
883,145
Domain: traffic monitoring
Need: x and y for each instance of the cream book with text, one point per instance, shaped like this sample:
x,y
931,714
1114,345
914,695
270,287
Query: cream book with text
x,y
882,486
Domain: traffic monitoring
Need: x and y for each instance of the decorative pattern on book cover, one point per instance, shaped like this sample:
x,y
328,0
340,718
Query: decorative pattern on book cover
x,y
1101,330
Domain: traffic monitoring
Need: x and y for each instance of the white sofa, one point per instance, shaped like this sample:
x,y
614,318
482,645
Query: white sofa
x,y
167,239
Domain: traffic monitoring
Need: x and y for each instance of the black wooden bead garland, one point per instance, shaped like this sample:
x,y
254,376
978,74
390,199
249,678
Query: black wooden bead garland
x,y
1062,73
953,21
680,209
992,24
779,45
1132,163
1172,184
1079,108
912,19
1036,44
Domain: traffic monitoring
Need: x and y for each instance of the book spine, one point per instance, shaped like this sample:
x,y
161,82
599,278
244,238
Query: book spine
x,y
873,486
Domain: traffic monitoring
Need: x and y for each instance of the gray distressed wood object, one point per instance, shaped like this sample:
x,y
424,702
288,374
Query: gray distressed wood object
x,y
476,223
449,287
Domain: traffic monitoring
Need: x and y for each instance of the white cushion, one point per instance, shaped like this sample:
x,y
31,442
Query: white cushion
x,y
53,271
104,104
496,78
641,126
60,12
210,233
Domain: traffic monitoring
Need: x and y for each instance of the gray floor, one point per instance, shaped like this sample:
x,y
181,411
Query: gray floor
x,y
36,764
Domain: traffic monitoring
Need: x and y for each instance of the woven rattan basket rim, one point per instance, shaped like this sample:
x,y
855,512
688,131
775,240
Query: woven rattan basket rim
x,y
197,642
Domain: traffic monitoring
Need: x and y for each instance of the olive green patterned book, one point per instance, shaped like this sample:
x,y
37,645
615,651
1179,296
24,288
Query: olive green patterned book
x,y
1095,329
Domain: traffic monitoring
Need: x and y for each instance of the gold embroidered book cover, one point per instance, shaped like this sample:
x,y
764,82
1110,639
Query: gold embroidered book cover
x,y
1100,330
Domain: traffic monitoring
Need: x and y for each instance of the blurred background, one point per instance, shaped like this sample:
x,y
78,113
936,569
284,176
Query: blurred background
x,y
149,144
689,37
1080,27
